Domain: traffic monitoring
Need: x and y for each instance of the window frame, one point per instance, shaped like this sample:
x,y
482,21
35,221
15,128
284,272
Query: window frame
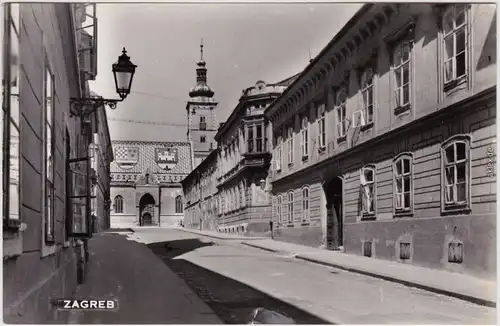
x,y
455,207
400,212
455,80
178,205
48,204
279,209
341,114
10,223
203,139
364,89
304,134
373,212
321,117
306,211
290,207
290,144
118,202
399,67
279,151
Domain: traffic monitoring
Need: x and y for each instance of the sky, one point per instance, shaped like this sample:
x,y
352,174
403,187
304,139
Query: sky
x,y
243,43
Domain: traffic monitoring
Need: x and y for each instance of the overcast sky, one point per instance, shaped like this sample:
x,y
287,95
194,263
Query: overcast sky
x,y
243,43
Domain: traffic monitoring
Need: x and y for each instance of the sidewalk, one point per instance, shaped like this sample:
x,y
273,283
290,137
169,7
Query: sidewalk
x,y
147,291
461,286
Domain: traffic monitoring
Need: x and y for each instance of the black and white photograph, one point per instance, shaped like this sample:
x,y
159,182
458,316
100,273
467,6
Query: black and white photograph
x,y
225,162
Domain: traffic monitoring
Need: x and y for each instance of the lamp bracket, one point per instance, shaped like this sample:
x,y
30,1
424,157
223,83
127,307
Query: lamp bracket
x,y
83,107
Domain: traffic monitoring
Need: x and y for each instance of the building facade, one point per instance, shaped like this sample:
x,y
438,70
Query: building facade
x,y
146,183
101,156
243,162
201,115
41,136
200,195
398,161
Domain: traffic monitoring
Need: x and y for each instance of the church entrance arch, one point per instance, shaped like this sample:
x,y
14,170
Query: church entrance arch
x,y
146,210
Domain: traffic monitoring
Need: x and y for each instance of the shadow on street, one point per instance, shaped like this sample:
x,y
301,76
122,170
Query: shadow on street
x,y
232,301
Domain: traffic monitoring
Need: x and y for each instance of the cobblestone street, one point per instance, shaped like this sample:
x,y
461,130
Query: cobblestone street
x,y
233,279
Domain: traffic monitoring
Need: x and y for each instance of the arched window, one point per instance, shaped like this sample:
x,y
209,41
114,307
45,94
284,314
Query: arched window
x,y
456,172
118,204
305,204
178,204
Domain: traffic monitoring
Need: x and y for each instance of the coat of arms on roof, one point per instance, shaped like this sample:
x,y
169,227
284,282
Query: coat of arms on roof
x,y
166,158
126,157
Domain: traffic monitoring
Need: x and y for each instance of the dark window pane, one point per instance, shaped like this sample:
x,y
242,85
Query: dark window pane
x,y
461,64
461,151
450,154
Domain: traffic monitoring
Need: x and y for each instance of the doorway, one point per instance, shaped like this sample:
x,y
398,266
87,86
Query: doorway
x,y
146,210
335,213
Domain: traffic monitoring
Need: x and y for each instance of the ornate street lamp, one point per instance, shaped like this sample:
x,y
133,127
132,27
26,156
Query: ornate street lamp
x,y
123,71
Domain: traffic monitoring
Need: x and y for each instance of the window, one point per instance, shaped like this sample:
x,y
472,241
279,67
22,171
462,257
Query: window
x,y
367,97
278,209
368,190
49,156
203,139
455,48
304,132
456,153
290,145
279,151
403,183
203,123
321,126
118,204
250,139
258,138
401,69
178,205
10,118
305,204
290,207
340,107
243,197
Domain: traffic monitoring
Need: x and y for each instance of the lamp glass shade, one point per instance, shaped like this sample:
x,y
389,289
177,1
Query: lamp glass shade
x,y
123,70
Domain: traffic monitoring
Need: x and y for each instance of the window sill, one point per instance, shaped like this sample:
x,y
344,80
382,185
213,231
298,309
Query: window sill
x,y
290,164
321,149
290,225
341,139
304,223
402,109
456,209
366,126
448,86
305,158
368,217
403,213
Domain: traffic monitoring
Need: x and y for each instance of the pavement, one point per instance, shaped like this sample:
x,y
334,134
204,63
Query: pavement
x,y
456,285
233,279
147,291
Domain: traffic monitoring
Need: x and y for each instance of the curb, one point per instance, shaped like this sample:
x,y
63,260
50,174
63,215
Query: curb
x,y
260,247
221,238
465,297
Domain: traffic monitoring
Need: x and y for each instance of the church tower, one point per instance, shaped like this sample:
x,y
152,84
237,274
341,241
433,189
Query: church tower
x,y
202,123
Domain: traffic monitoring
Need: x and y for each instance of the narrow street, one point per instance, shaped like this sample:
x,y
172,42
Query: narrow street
x,y
229,280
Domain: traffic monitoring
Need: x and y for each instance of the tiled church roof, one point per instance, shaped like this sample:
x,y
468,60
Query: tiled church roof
x,y
146,157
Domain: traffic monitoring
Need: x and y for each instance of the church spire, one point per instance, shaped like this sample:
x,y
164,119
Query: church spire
x,y
201,88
